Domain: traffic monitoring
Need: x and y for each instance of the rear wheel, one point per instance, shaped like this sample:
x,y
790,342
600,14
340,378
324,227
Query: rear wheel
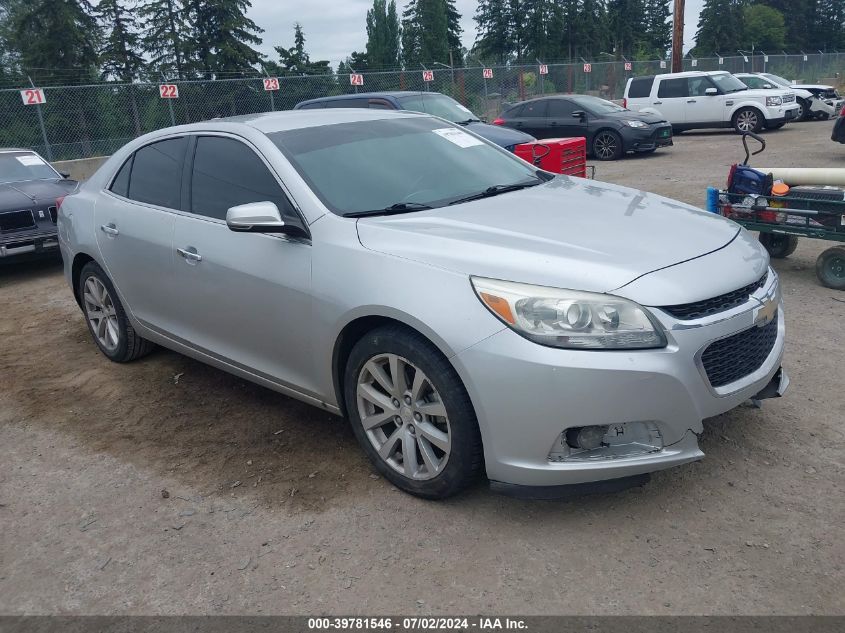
x,y
748,120
779,246
411,413
804,109
830,268
607,145
106,318
822,116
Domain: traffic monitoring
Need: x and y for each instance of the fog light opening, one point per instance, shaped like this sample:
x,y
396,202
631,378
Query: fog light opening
x,y
613,441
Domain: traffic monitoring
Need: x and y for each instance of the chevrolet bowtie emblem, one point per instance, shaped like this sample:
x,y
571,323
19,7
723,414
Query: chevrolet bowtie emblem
x,y
766,312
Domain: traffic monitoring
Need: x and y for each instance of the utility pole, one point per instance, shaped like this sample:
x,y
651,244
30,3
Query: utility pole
x,y
678,37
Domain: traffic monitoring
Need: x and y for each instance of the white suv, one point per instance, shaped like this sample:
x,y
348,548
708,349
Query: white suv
x,y
710,99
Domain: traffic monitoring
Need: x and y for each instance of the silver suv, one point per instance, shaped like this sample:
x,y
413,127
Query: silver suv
x,y
466,311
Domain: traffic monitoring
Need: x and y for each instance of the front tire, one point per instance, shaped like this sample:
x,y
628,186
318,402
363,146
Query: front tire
x,y
830,268
110,328
411,413
607,145
748,120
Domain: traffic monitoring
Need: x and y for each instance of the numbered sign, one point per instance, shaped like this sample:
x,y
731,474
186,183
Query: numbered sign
x,y
694,63
588,68
745,59
663,63
805,58
765,58
721,61
33,96
428,75
356,79
271,83
629,66
168,91
544,69
488,73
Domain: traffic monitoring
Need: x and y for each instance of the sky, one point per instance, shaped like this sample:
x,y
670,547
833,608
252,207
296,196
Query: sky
x,y
335,28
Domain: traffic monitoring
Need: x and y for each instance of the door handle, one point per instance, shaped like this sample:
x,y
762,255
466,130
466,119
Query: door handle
x,y
109,229
189,255
658,103
690,100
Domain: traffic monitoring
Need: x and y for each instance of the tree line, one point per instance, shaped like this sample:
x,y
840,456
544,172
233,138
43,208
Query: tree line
x,y
204,39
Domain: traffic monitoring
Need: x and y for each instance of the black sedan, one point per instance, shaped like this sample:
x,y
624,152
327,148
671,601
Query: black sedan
x,y
30,193
610,129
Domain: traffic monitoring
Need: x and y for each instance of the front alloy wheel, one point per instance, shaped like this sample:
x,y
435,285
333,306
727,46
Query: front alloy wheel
x,y
747,120
411,413
404,416
607,146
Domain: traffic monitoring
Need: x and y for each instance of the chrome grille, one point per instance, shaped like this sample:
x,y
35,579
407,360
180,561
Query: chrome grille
x,y
737,356
789,99
707,307
16,220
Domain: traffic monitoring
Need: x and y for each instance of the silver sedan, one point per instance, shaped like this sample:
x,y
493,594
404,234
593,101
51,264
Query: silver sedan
x,y
467,312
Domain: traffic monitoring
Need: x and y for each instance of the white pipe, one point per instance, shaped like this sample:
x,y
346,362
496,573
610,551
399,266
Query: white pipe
x,y
794,176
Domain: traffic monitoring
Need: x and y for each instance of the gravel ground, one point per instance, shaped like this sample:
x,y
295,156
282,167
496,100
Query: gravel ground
x,y
168,487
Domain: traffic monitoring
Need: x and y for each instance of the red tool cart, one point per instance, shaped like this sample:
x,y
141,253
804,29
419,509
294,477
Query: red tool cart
x,y
557,155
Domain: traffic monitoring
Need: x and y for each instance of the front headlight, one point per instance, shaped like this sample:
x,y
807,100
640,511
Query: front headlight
x,y
634,123
773,101
569,318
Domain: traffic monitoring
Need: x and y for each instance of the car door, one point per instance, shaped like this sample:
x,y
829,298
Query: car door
x,y
671,101
703,109
244,298
134,227
531,119
561,122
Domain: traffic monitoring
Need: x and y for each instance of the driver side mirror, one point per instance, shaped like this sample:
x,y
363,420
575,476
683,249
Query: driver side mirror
x,y
711,92
580,115
259,217
768,86
64,174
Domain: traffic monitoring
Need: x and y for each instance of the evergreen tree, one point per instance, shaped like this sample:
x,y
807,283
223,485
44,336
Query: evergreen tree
x,y
657,33
222,35
493,31
120,55
453,33
626,21
425,33
763,28
828,25
720,27
58,35
296,61
166,38
383,35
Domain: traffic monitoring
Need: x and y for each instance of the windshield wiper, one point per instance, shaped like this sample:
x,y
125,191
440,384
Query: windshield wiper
x,y
495,190
393,209
466,121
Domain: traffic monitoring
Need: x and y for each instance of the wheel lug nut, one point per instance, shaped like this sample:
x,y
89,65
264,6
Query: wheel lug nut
x,y
418,417
396,403
407,399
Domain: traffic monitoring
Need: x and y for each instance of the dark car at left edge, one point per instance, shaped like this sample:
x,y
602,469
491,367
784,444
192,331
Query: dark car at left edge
x,y
30,194
611,130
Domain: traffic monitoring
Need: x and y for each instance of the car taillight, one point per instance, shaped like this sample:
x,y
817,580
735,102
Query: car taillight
x,y
625,103
498,121
59,201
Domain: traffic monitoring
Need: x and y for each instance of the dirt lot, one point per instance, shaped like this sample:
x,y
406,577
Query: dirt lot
x,y
272,508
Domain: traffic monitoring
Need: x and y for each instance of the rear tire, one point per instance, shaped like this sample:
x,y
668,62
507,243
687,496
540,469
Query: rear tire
x,y
411,414
804,112
110,328
748,120
830,268
779,246
607,145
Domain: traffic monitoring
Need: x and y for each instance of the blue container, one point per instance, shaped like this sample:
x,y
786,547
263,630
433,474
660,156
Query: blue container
x,y
712,200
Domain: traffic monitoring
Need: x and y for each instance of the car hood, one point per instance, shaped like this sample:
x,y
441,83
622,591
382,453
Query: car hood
x,y
646,117
502,136
567,233
18,195
761,93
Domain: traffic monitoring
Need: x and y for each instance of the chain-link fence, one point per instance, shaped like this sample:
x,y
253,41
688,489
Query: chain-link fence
x,y
95,120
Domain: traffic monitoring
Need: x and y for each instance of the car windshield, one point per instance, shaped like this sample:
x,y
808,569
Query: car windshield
x,y
777,79
728,83
438,105
404,164
594,105
20,166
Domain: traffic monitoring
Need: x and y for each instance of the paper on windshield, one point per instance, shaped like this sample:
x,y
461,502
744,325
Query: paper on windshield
x,y
458,137
29,160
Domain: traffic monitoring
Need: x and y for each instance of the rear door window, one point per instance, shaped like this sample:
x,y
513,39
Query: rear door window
x,y
640,87
227,173
156,176
120,185
534,110
672,88
561,108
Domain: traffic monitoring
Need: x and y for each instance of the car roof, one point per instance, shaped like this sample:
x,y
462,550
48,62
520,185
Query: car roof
x,y
367,95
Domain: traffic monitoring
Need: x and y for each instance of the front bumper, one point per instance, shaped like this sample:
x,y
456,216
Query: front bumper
x,y
644,140
782,114
526,394
32,242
